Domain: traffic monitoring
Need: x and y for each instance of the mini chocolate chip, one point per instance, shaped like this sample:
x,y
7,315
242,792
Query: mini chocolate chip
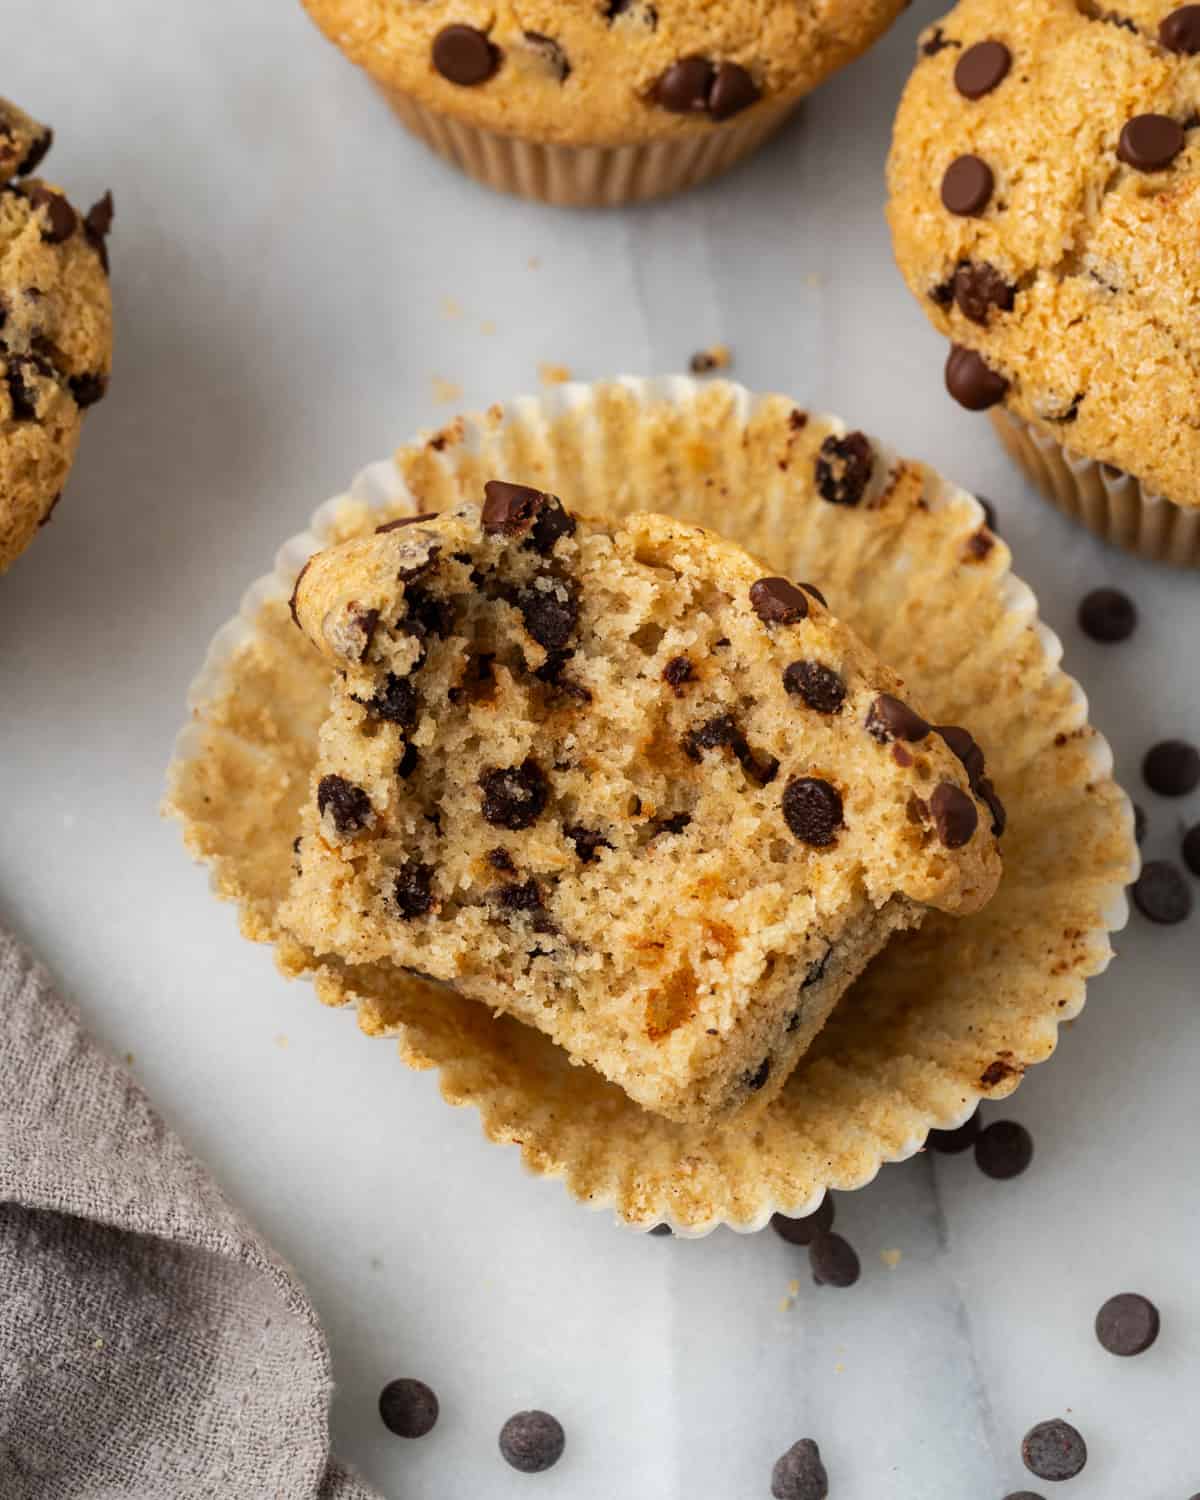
x,y
812,809
549,618
1148,143
676,672
553,53
413,890
395,702
1172,768
407,763
800,1474
834,1261
586,840
757,1080
777,602
88,389
532,1441
1003,1150
1127,1324
955,815
1054,1450
814,592
36,154
684,87
1191,845
1107,615
971,381
1180,31
514,510
60,218
804,1231
844,467
401,521
891,719
1162,894
967,186
981,68
500,859
514,797
408,1408
818,685
951,1142
978,288
464,55
732,91
347,804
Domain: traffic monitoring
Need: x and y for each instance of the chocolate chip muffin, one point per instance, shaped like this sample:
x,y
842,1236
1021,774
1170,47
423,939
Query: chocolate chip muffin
x,y
55,330
598,101
1045,209
613,780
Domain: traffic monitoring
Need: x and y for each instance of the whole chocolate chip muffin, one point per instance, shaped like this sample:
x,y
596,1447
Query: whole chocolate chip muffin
x,y
598,101
55,330
1045,210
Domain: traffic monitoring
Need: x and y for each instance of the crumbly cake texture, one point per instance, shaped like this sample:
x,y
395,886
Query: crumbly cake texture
x,y
945,1016
1045,210
618,781
601,72
55,330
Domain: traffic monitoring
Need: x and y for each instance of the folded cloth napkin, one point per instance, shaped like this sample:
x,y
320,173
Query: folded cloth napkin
x,y
152,1345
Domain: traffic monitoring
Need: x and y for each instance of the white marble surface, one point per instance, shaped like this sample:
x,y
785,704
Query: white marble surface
x,y
282,258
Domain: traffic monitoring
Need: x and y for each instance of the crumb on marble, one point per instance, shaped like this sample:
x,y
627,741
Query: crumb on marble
x,y
715,357
451,308
487,327
891,1258
446,390
552,374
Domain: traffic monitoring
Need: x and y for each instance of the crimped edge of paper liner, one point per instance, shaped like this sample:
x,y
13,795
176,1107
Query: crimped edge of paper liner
x,y
381,487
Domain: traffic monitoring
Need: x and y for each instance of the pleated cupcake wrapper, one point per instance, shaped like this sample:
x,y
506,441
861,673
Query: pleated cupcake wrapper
x,y
1107,501
943,1018
589,176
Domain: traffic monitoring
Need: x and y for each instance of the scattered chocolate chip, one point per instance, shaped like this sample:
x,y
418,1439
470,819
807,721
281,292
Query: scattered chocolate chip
x,y
514,510
395,702
1180,31
1107,615
1149,143
587,841
408,1408
732,91
951,1142
1172,768
800,1474
819,686
88,389
937,42
844,467
834,1261
1191,846
407,763
347,804
552,52
777,602
812,590
36,154
967,186
532,1441
812,810
413,890
514,797
891,719
804,1231
500,859
1053,1450
978,288
661,1229
550,609
757,1080
464,56
676,672
1127,1324
526,898
684,87
722,731
60,219
1162,894
955,815
981,68
427,614
1003,1150
971,381
401,521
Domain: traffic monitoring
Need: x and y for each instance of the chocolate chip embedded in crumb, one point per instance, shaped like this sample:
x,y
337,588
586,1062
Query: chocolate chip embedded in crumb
x,y
955,815
834,1261
1172,768
395,702
88,389
587,841
967,186
36,154
59,218
514,797
514,510
678,671
464,55
348,805
981,68
800,1474
412,890
1003,1150
815,593
1054,1450
978,288
951,1142
526,900
532,1441
777,602
1162,894
1180,31
550,610
408,1408
1150,143
891,719
733,90
971,381
551,52
815,684
812,810
1107,615
407,763
22,392
844,468
804,1231
500,859
758,1079
676,823
683,88
1127,1324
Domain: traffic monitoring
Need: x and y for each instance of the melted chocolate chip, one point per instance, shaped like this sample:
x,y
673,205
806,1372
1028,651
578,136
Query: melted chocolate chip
x,y
395,702
464,55
516,510
88,389
587,841
407,763
676,672
514,797
413,890
1150,143
348,805
676,823
844,468
891,719
814,593
549,618
722,731
777,602
817,685
981,68
500,859
757,1080
812,810
978,288
970,380
36,154
967,186
955,815
59,218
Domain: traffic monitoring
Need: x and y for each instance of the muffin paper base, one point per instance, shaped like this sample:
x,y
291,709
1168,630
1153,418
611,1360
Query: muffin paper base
x,y
1108,502
589,176
944,1017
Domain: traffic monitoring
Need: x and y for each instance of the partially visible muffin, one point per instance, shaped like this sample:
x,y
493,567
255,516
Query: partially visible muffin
x,y
1045,210
55,330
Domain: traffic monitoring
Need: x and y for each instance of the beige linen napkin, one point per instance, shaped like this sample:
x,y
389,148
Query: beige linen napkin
x,y
151,1344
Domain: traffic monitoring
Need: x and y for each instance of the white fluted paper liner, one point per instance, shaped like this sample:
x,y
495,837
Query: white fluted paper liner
x,y
944,1017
